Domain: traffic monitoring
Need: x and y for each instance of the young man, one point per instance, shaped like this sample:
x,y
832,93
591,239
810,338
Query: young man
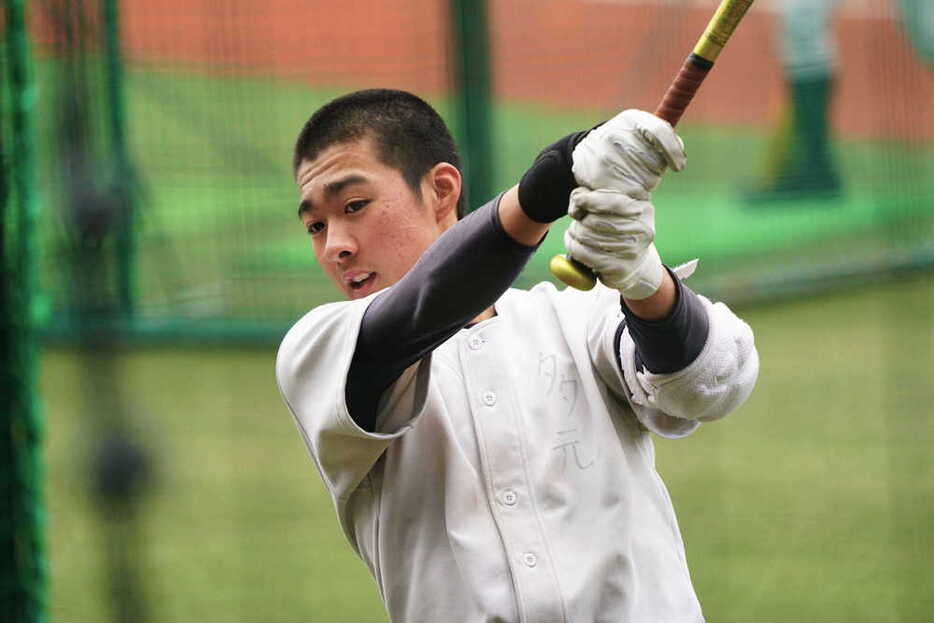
x,y
487,449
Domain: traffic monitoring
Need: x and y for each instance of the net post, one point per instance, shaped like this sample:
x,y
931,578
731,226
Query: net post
x,y
124,180
22,560
471,55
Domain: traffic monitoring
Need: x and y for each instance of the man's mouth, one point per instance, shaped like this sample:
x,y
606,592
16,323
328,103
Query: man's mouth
x,y
360,281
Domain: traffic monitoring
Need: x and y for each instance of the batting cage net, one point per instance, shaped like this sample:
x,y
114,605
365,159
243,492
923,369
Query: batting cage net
x,y
190,109
163,147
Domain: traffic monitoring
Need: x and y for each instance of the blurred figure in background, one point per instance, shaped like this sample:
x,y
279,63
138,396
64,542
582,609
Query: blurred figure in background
x,y
799,161
918,21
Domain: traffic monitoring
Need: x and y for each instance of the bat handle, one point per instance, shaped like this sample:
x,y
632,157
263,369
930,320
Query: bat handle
x,y
682,90
572,272
673,105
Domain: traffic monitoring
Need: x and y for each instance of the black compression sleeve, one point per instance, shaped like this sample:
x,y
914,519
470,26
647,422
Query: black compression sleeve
x,y
456,279
674,342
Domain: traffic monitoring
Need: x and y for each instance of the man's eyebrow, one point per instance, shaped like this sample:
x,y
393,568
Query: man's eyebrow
x,y
332,188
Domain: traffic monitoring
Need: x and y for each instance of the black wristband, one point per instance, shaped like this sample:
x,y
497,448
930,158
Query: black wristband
x,y
672,343
546,187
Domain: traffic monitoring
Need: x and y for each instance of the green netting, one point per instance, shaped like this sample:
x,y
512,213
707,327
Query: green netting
x,y
214,99
22,520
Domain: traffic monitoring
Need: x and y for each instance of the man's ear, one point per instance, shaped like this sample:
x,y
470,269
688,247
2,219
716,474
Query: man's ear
x,y
444,181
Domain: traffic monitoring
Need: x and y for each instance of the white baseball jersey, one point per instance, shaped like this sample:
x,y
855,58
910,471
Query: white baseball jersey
x,y
512,478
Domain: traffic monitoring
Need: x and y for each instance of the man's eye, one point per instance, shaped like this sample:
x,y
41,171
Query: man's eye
x,y
354,206
315,227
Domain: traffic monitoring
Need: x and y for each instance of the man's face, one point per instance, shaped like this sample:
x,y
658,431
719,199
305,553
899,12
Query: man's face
x,y
367,227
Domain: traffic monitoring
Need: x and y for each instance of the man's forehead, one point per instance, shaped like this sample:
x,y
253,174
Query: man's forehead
x,y
329,182
336,160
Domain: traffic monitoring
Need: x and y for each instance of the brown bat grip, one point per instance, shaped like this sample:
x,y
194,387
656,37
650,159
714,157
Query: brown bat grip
x,y
682,90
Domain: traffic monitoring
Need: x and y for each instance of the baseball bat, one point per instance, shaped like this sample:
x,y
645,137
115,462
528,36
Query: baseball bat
x,y
693,71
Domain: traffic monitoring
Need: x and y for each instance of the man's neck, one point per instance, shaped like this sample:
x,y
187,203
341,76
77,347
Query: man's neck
x,y
487,313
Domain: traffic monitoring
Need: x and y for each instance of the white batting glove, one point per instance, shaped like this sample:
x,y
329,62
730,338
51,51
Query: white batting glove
x,y
628,154
612,233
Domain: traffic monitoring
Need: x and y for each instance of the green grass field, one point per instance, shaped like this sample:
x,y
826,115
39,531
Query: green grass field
x,y
815,502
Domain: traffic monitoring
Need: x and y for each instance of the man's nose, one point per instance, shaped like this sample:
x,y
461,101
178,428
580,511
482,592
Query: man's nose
x,y
341,244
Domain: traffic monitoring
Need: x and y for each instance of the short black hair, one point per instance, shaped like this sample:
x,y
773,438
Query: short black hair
x,y
410,135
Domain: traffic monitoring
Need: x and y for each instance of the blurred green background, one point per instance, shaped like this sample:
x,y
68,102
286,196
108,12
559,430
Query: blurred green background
x,y
814,502
220,250
170,264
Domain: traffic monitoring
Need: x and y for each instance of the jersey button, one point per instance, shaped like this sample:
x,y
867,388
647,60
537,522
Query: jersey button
x,y
530,560
475,342
489,398
509,497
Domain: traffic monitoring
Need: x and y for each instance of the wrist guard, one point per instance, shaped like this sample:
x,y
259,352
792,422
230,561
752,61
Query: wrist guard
x,y
545,188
